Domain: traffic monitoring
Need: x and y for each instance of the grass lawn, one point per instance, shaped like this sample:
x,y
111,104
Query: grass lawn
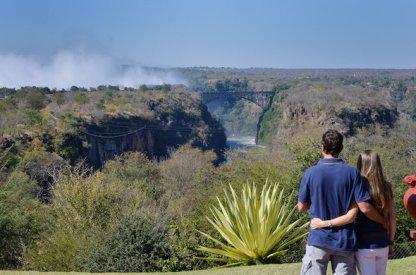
x,y
405,266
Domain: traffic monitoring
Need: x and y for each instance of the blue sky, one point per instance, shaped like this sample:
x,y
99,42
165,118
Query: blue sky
x,y
231,33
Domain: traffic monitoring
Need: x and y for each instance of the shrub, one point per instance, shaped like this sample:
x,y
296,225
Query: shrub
x,y
143,88
83,212
36,100
185,175
21,219
188,189
135,170
183,241
239,171
33,119
80,98
256,227
306,151
8,104
138,244
43,168
101,104
9,158
69,123
59,98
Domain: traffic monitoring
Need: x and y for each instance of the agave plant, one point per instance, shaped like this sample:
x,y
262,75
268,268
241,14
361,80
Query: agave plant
x,y
256,226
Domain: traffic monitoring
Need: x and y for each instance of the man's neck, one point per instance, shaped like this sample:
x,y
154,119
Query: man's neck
x,y
328,156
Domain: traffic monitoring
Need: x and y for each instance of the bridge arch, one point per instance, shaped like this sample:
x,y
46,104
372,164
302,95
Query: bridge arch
x,y
262,99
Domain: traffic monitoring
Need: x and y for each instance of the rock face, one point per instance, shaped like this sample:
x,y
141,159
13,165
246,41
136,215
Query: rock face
x,y
322,106
112,136
347,119
363,117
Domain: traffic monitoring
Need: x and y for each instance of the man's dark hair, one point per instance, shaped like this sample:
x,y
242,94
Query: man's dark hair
x,y
332,142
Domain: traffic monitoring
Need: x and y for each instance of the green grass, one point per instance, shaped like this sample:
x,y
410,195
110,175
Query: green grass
x,y
405,266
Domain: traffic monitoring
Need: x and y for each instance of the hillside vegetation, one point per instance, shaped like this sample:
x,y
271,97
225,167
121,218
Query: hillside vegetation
x,y
84,188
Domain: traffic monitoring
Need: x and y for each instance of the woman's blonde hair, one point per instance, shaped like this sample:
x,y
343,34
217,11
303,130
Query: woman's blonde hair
x,y
381,191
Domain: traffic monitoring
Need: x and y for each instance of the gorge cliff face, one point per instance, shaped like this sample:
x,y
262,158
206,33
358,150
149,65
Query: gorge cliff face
x,y
317,106
112,136
346,119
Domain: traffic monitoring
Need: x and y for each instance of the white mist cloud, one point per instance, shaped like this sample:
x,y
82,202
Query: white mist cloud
x,y
68,68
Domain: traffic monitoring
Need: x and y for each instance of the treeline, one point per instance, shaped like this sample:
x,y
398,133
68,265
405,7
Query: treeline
x,y
223,85
4,92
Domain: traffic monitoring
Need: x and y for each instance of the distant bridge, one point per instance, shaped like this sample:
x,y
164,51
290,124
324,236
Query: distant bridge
x,y
261,99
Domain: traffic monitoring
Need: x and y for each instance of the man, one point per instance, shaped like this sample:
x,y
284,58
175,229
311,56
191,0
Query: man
x,y
327,190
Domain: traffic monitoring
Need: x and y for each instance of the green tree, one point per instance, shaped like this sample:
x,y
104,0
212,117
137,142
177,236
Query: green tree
x,y
135,170
143,88
80,98
83,212
36,100
21,219
59,98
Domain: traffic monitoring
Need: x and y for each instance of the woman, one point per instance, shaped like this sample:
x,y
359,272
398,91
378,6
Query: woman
x,y
375,243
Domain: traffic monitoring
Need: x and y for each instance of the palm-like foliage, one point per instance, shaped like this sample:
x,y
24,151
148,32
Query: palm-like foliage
x,y
256,226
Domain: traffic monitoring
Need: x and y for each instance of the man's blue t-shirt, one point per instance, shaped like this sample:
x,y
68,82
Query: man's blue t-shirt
x,y
330,187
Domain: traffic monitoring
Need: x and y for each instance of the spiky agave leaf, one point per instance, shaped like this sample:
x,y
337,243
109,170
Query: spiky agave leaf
x,y
254,225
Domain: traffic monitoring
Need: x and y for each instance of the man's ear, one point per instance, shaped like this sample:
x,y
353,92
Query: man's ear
x,y
322,149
